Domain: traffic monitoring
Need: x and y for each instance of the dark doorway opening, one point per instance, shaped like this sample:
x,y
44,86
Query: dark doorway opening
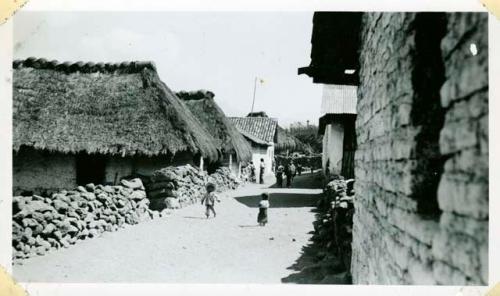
x,y
347,170
90,168
213,166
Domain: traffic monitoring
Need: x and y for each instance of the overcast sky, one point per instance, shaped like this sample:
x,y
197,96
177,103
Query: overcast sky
x,y
217,51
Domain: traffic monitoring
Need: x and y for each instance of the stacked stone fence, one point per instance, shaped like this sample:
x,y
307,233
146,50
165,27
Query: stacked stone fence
x,y
42,224
175,187
329,256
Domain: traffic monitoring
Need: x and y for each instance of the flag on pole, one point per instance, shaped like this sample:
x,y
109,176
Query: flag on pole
x,y
261,81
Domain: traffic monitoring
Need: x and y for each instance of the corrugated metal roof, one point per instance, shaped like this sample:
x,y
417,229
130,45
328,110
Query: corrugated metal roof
x,y
339,99
262,128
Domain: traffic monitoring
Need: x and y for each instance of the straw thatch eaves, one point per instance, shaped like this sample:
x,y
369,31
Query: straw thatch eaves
x,y
202,104
118,109
287,141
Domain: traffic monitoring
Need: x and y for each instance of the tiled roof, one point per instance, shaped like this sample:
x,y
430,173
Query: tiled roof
x,y
339,99
262,128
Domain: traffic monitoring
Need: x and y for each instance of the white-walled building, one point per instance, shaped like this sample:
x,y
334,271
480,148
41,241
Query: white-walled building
x,y
262,134
337,125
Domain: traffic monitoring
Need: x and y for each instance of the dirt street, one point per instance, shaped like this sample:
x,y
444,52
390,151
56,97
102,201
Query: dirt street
x,y
185,247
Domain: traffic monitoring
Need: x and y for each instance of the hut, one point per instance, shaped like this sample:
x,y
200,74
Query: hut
x,y
288,143
261,132
79,123
234,147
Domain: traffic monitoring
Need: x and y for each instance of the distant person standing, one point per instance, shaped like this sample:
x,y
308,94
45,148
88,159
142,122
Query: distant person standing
x,y
288,174
299,169
251,169
261,172
244,172
293,170
279,176
263,206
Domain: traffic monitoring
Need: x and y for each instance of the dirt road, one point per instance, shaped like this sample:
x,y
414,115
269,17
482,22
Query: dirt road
x,y
187,248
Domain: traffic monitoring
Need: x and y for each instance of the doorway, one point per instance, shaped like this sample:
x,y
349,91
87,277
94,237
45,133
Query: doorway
x,y
90,168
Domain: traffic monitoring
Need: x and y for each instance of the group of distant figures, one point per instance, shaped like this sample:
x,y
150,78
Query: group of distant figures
x,y
289,171
250,171
282,172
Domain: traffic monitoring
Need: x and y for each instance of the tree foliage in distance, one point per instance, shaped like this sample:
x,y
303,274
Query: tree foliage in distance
x,y
308,134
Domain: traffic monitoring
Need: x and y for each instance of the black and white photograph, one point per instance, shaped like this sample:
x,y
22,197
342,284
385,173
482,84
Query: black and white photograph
x,y
313,147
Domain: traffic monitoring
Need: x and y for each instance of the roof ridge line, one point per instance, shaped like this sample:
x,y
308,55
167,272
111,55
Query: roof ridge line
x,y
84,67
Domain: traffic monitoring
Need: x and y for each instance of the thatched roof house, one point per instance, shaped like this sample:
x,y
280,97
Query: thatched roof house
x,y
287,141
121,109
115,110
228,138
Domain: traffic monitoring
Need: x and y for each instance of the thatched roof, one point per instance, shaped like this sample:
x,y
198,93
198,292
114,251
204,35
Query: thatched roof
x,y
121,109
287,141
261,130
257,114
202,104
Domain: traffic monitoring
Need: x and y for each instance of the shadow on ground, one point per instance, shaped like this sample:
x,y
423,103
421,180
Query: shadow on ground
x,y
321,260
282,200
306,181
196,217
317,266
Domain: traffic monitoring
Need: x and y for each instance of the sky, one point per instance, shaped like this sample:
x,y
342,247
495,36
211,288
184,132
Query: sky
x,y
219,51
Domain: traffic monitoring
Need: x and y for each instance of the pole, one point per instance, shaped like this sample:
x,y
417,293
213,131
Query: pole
x,y
254,89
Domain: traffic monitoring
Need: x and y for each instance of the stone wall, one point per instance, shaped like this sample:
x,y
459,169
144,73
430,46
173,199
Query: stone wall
x,y
41,224
174,187
421,208
142,165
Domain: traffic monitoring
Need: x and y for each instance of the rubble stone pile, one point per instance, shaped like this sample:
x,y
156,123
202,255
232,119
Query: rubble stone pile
x,y
335,225
327,259
176,187
41,224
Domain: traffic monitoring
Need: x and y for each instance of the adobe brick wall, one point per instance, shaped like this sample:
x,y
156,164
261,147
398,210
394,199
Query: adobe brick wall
x,y
405,162
44,173
461,246
37,171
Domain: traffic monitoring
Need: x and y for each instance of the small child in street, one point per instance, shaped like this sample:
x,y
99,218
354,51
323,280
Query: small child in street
x,y
209,200
263,206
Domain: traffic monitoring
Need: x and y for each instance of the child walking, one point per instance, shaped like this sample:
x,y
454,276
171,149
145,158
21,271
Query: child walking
x,y
209,200
263,206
